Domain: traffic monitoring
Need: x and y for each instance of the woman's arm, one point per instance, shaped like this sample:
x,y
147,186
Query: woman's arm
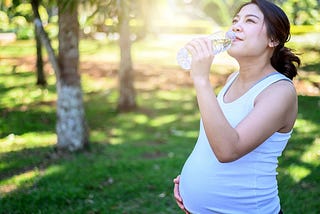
x,y
274,110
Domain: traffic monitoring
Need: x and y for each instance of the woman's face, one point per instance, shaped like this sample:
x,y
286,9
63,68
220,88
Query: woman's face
x,y
251,34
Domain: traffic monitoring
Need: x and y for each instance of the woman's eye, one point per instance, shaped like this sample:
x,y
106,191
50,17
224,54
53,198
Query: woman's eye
x,y
250,20
234,21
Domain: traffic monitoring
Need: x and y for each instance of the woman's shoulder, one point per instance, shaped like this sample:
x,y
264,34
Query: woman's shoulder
x,y
282,88
281,99
279,95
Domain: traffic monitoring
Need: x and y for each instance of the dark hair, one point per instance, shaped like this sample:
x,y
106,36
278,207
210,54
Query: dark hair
x,y
278,30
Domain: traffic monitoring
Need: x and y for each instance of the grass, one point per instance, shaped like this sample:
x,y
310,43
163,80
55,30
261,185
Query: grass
x,y
133,157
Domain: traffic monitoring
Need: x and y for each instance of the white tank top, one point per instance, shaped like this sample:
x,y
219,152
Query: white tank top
x,y
247,185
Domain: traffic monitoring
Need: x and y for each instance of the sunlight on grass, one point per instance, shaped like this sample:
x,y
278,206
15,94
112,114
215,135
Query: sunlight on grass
x,y
182,133
53,169
116,136
297,173
25,179
163,120
23,90
30,140
305,126
98,136
99,48
141,119
18,48
312,154
90,85
26,96
169,95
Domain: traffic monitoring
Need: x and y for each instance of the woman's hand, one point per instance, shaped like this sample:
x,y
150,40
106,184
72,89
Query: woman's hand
x,y
176,194
202,57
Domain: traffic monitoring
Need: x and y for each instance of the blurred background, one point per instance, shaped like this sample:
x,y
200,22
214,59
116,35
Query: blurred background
x,y
96,116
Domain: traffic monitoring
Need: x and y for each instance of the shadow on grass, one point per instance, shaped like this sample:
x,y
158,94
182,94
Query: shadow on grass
x,y
19,117
19,122
21,161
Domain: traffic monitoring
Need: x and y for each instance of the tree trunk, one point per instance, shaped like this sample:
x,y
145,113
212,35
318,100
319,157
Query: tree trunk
x,y
46,41
41,78
127,98
72,129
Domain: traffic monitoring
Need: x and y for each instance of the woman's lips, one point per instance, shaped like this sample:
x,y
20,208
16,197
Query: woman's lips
x,y
237,39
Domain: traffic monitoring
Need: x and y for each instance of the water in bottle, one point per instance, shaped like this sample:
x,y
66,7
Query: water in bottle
x,y
220,42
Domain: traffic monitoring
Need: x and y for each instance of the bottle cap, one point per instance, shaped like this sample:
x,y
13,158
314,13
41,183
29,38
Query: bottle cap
x,y
231,35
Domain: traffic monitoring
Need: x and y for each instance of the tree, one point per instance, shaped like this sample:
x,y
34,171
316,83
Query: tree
x,y
121,12
21,10
127,100
41,79
220,11
71,127
301,12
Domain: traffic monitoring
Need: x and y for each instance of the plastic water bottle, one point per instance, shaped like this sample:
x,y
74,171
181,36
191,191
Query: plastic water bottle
x,y
220,42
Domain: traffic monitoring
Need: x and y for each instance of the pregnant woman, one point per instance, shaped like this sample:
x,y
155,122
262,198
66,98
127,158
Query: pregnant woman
x,y
243,130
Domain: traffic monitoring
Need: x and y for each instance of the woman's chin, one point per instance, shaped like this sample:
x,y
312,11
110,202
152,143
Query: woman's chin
x,y
232,52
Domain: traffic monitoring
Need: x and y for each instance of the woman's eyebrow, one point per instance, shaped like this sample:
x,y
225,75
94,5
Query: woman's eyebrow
x,y
248,15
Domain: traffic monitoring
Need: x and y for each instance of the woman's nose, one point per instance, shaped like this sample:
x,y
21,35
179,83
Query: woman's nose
x,y
236,27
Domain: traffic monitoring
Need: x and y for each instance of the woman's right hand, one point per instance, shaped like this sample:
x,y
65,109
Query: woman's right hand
x,y
176,194
202,57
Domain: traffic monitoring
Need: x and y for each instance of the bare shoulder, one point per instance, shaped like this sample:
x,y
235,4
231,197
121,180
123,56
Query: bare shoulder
x,y
280,100
282,90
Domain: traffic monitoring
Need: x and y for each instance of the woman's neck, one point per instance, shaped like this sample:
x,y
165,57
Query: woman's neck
x,y
251,71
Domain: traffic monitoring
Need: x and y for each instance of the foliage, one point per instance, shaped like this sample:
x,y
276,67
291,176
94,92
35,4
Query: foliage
x,y
221,11
304,29
302,12
299,12
17,16
103,16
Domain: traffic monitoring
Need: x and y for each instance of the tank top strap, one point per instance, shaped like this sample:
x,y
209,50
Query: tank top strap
x,y
233,76
262,84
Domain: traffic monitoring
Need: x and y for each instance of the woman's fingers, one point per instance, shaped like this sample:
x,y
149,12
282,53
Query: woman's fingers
x,y
176,192
200,48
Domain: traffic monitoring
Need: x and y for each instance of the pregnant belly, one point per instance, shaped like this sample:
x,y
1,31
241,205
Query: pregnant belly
x,y
197,188
210,186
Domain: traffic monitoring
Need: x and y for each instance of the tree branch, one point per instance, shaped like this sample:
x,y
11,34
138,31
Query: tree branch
x,y
45,39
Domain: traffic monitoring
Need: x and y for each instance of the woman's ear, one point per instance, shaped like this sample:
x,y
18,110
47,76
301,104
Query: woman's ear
x,y
273,43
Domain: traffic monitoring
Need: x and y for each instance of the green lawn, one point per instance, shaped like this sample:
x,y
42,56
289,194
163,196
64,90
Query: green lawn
x,y
133,157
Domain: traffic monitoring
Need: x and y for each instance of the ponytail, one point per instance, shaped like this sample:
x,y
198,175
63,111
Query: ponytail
x,y
285,61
